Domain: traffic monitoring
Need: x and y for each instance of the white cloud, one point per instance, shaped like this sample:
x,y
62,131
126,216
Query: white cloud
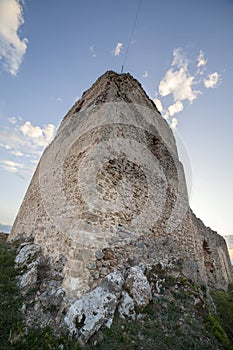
x,y
175,108
174,123
201,61
178,81
118,48
181,83
31,131
12,48
25,141
158,104
49,133
5,146
11,166
179,59
212,80
17,153
19,169
40,137
145,75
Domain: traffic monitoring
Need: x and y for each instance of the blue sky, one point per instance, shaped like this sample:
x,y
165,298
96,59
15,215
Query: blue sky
x,y
182,53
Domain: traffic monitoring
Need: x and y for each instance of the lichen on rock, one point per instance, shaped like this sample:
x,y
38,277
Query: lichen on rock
x,y
27,252
96,308
138,287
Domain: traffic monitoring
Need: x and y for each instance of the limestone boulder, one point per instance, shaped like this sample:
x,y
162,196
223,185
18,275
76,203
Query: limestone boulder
x,y
113,283
27,253
52,297
29,279
88,314
96,308
126,307
138,287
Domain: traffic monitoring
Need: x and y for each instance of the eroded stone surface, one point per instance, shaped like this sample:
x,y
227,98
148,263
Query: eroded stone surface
x,y
138,287
126,307
96,308
27,253
29,279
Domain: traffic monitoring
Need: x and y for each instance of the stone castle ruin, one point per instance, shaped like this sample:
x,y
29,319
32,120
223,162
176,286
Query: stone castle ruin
x,y
108,200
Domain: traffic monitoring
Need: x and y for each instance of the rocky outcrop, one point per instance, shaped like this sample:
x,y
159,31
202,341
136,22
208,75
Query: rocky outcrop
x,y
96,308
118,292
27,253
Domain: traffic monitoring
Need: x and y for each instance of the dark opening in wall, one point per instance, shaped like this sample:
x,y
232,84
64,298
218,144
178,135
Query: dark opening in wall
x,y
208,261
206,247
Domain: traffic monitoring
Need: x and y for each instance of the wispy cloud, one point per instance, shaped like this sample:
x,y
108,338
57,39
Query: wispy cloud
x,y
92,50
118,48
18,168
212,80
182,84
201,63
12,48
158,104
174,123
27,142
11,166
5,146
12,120
17,153
145,75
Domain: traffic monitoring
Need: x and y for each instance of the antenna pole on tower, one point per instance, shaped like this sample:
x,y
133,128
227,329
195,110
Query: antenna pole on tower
x,y
131,35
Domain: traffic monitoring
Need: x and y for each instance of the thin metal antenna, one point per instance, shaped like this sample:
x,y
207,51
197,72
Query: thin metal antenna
x,y
131,36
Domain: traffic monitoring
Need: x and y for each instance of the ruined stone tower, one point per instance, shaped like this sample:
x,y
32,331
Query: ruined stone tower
x,y
109,192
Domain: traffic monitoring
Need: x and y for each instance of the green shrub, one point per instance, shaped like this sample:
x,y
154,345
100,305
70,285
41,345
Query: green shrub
x,y
218,331
224,305
13,333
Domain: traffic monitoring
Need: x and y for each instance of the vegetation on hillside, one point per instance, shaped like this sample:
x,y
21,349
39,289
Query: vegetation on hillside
x,y
177,318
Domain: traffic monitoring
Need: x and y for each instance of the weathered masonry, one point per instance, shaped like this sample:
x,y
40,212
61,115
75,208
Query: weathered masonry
x,y
110,192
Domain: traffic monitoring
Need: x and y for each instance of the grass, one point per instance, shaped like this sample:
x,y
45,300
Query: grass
x,y
11,320
13,333
224,305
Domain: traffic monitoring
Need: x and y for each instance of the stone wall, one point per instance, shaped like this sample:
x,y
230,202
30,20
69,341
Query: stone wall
x,y
213,258
110,192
